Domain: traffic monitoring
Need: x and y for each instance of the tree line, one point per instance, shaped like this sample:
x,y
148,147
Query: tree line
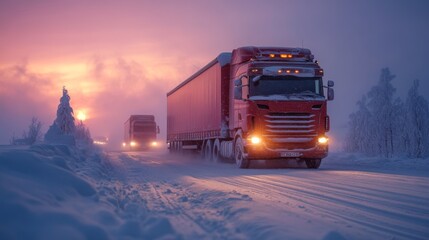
x,y
384,125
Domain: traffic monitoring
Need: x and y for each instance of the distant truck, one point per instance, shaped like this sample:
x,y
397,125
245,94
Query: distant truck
x,y
254,103
140,132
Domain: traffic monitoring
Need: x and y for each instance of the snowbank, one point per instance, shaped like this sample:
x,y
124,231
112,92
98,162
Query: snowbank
x,y
43,198
62,192
356,161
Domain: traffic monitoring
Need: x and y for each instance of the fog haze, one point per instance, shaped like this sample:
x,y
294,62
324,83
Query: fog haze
x,y
121,58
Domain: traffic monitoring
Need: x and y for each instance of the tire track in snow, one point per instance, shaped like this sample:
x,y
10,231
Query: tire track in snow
x,y
340,204
187,210
384,205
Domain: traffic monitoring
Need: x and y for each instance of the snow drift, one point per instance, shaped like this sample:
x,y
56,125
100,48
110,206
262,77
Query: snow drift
x,y
44,198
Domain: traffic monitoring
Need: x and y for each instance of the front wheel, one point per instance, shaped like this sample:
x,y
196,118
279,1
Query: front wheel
x,y
313,163
240,159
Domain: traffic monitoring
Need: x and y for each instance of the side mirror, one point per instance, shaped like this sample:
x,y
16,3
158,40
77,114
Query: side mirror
x,y
257,78
330,83
330,94
238,82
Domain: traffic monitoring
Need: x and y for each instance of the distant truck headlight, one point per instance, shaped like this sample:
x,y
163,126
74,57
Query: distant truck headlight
x,y
322,140
255,140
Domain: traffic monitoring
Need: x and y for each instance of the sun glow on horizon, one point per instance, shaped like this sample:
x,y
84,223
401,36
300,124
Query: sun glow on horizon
x,y
81,116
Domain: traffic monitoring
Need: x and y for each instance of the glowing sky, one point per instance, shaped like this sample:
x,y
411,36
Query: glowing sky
x,y
118,58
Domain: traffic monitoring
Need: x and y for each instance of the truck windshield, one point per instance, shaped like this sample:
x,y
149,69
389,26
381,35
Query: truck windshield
x,y
141,127
286,86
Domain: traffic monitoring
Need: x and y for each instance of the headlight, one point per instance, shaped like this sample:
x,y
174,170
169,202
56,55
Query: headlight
x,y
323,140
255,140
154,144
124,144
133,144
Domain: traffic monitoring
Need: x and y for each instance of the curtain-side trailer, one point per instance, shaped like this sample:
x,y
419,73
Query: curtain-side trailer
x,y
254,103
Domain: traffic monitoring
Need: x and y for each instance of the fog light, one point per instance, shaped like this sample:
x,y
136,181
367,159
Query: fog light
x,y
323,140
255,140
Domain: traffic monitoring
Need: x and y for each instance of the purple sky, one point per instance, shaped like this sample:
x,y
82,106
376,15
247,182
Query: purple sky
x,y
121,57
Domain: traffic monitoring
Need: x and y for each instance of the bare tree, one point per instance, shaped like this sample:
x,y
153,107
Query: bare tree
x,y
34,133
381,106
417,122
377,127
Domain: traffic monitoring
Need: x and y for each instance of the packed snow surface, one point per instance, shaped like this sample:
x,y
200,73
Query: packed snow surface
x,y
59,192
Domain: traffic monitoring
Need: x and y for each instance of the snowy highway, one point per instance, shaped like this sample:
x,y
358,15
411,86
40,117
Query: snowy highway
x,y
194,199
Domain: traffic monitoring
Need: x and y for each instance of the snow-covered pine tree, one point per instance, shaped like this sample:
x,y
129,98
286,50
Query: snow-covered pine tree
x,y
65,119
417,122
63,128
380,103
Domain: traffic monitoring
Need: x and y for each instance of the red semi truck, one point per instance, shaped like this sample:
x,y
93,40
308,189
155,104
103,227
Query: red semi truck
x,y
254,103
140,132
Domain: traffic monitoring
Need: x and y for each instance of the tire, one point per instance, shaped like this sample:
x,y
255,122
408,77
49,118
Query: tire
x,y
239,157
176,146
208,146
313,163
171,148
180,147
216,151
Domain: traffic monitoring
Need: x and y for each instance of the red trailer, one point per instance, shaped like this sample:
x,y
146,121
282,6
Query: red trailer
x,y
198,107
253,103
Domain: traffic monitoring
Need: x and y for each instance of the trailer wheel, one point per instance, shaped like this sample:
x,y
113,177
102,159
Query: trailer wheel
x,y
208,150
313,163
216,151
176,146
170,147
240,159
180,147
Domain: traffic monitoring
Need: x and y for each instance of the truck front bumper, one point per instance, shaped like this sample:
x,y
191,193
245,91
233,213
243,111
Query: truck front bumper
x,y
262,151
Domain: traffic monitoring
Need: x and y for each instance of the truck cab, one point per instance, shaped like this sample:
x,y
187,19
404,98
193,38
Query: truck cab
x,y
279,107
140,132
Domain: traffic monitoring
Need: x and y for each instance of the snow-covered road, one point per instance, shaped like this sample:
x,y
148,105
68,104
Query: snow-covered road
x,y
194,199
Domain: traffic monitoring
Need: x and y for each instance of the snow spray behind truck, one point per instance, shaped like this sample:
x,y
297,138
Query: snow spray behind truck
x,y
254,103
140,132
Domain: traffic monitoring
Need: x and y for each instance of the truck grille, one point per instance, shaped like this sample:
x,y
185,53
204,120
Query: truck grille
x,y
290,130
